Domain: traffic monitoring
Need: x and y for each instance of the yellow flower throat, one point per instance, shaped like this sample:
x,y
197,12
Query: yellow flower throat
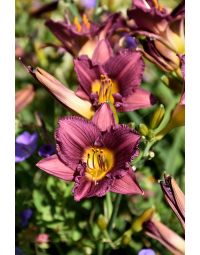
x,y
105,88
99,161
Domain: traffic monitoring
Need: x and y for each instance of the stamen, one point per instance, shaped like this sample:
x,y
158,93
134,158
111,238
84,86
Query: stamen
x,y
105,87
156,4
99,162
77,24
86,21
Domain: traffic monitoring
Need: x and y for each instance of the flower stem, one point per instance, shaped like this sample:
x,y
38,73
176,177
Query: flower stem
x,y
115,212
100,248
101,245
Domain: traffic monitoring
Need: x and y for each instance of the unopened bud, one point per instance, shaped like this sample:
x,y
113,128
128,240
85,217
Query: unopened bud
x,y
143,129
102,222
23,97
126,238
137,224
157,117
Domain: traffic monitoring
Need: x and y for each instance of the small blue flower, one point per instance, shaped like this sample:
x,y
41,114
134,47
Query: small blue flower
x,y
25,216
46,150
18,251
89,3
130,42
25,145
146,252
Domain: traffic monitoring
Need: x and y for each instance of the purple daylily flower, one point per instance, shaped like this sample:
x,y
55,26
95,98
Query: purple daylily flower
x,y
46,150
25,145
25,216
112,78
95,155
81,37
146,252
164,32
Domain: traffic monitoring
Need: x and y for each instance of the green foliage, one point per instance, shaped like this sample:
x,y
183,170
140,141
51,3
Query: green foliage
x,y
73,227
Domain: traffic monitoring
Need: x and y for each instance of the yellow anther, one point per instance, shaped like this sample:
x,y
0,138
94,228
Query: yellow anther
x,y
77,24
86,21
156,4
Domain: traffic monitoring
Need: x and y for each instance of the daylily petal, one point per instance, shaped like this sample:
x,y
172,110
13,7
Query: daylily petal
x,y
139,99
179,11
73,135
61,31
54,166
183,65
126,185
82,94
159,54
88,47
104,117
86,188
64,95
174,197
102,53
165,236
148,17
86,73
124,142
126,69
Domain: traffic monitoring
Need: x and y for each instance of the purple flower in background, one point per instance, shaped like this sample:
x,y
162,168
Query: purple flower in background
x,y
81,36
95,155
25,145
18,251
130,42
89,3
25,216
146,252
165,28
46,150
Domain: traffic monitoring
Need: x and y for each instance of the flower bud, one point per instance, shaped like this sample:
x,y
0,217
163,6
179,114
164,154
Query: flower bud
x,y
137,224
23,97
174,197
143,129
126,238
102,222
157,117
